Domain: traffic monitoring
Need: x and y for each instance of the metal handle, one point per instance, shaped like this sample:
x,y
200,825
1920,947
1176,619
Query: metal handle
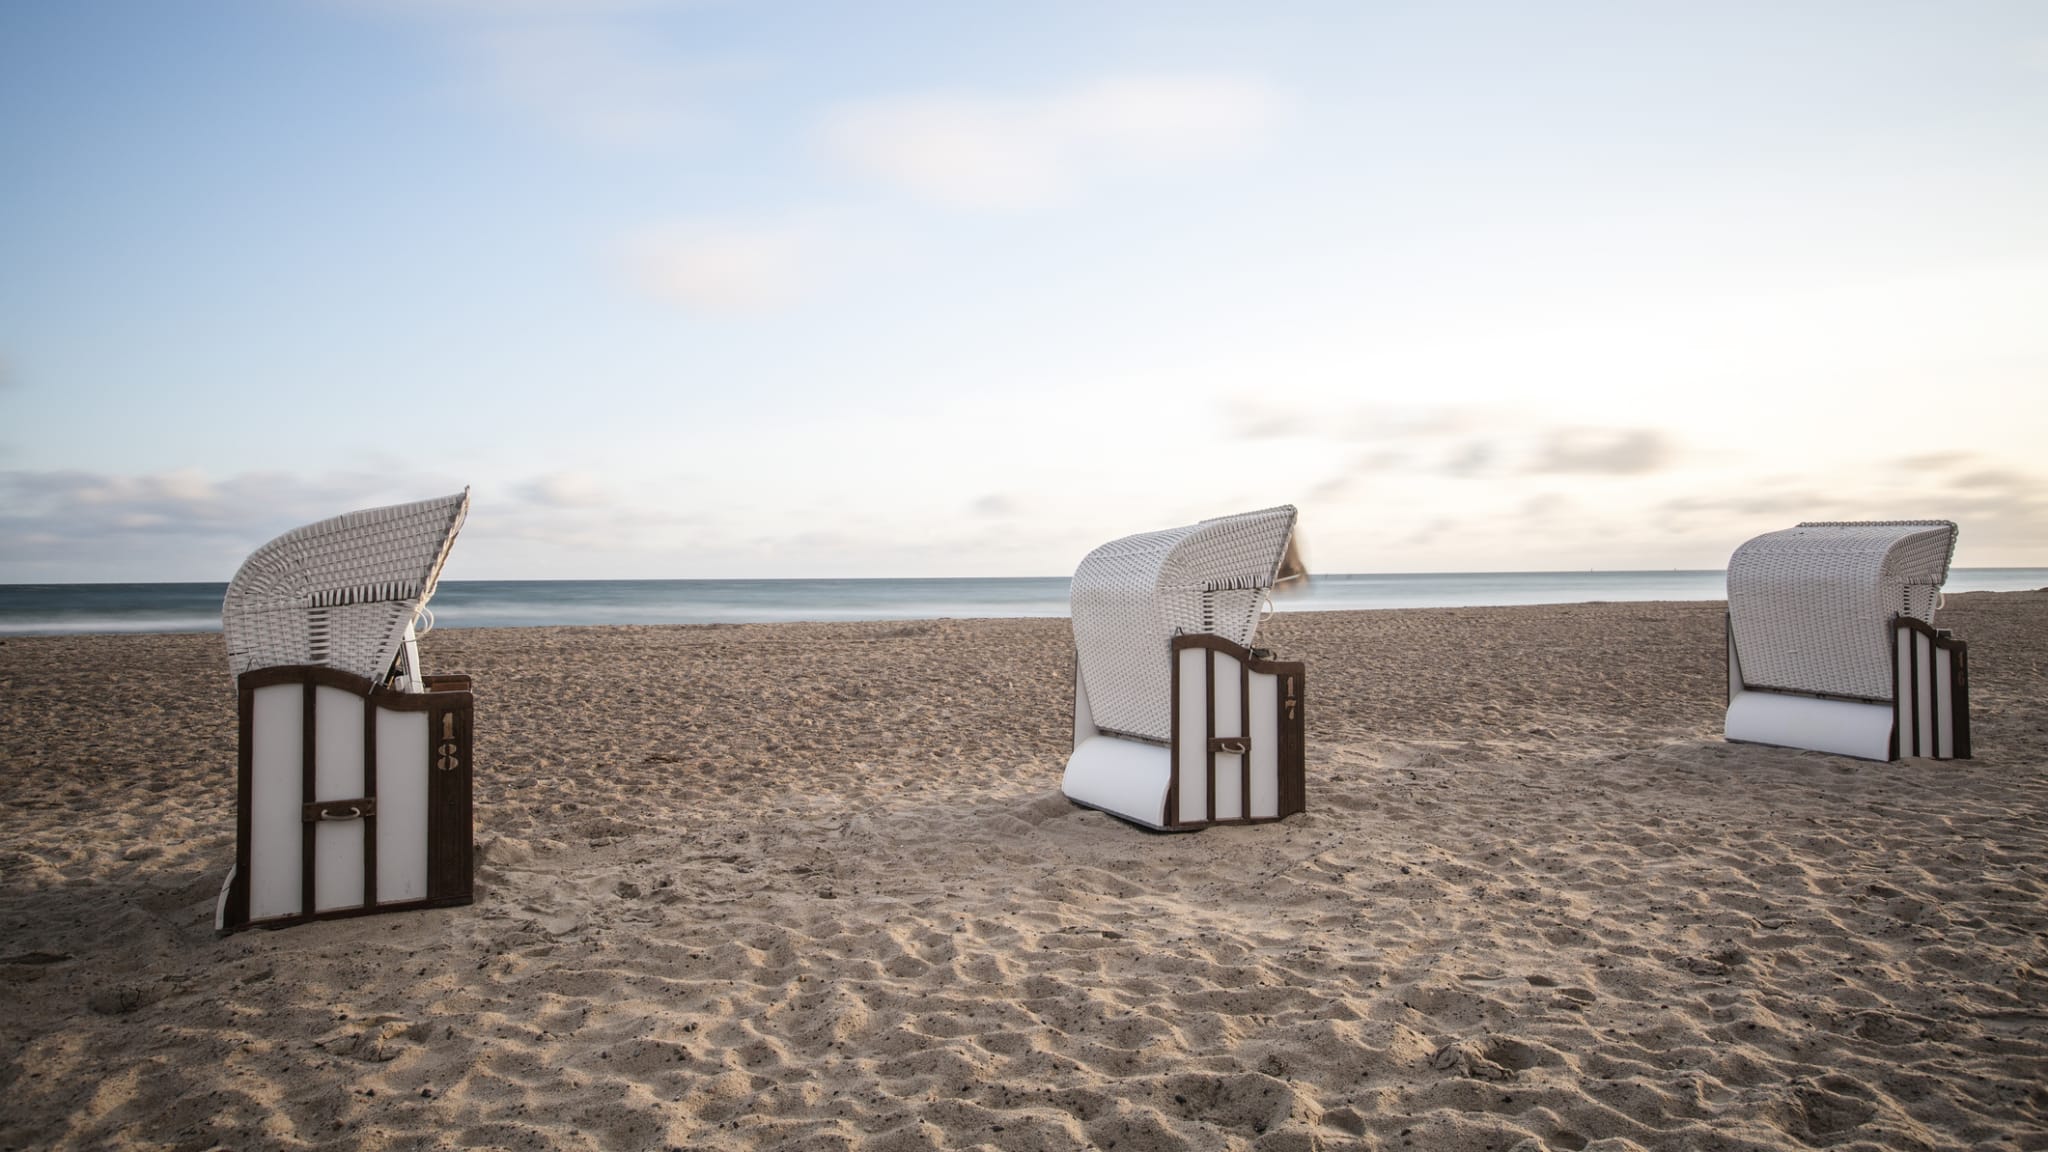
x,y
324,810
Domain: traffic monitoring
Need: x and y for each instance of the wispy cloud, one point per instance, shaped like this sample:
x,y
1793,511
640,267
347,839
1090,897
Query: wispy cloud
x,y
599,81
573,490
612,73
1604,451
75,525
1469,458
985,152
2002,511
1457,441
726,268
994,506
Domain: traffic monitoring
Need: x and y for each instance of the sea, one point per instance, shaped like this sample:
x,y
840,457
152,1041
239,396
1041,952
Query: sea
x,y
64,609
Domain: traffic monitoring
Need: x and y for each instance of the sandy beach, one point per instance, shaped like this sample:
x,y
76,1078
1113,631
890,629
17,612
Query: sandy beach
x,y
814,886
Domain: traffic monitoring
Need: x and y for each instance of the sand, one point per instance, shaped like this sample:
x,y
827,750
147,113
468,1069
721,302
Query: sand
x,y
814,886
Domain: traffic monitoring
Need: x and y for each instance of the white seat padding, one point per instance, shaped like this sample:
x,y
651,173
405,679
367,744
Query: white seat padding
x,y
1120,776
1842,727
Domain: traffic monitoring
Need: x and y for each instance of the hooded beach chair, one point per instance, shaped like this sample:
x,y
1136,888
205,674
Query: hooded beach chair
x,y
1832,645
1179,723
353,787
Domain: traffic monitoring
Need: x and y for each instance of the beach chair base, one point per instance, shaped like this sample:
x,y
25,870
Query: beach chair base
x,y
350,800
1928,715
1236,753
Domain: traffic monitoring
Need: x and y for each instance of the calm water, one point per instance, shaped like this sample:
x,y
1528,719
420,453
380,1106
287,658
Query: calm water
x,y
27,609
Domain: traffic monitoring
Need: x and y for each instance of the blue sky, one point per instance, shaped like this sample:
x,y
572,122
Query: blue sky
x,y
711,289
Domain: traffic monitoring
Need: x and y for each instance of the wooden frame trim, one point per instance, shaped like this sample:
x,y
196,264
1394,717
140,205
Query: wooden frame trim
x,y
1209,736
360,808
351,913
440,690
236,910
451,845
1170,818
370,798
1244,725
309,834
1293,752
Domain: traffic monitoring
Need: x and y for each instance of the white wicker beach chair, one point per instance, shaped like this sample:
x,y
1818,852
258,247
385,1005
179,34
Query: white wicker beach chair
x,y
1831,643
1178,722
353,791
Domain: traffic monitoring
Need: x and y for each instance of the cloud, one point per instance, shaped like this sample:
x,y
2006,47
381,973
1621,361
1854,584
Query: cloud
x,y
1333,488
2002,512
181,525
1261,417
1258,419
1456,442
1789,503
1936,461
2003,479
606,72
1469,459
726,269
600,84
73,526
570,490
1431,531
1603,451
1004,153
994,506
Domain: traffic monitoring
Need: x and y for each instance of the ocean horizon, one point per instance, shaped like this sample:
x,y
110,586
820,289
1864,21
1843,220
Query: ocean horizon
x,y
75,609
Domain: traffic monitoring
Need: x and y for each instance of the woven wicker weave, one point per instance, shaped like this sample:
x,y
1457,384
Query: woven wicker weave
x,y
1132,596
1812,606
340,593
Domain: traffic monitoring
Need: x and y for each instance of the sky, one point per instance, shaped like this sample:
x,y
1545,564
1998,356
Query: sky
x,y
699,289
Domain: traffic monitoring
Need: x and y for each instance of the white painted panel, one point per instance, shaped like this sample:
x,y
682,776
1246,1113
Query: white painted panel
x,y
1229,704
402,752
1944,706
337,775
1120,776
276,749
1902,657
1193,736
1265,730
337,744
1843,727
1229,787
1924,695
